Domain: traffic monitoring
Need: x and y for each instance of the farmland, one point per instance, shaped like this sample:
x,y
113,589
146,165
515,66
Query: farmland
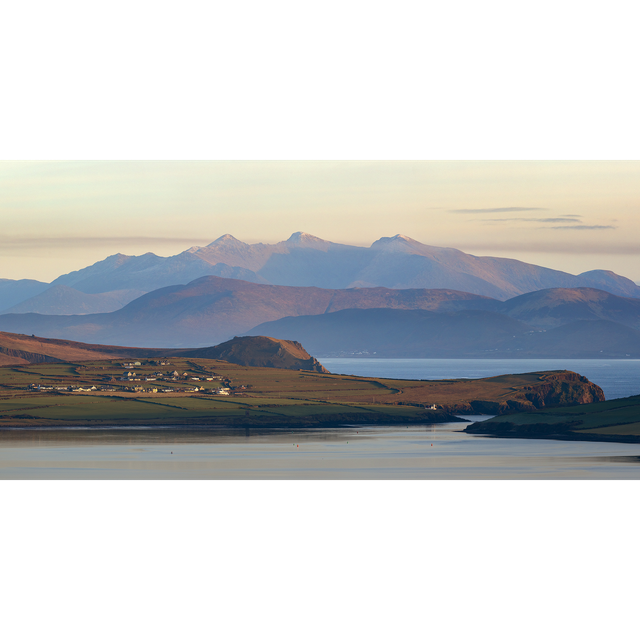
x,y
182,391
614,421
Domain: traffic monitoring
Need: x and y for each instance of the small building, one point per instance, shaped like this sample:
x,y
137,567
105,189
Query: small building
x,y
221,392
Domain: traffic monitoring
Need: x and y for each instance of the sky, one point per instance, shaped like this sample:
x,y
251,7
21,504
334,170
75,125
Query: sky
x,y
58,216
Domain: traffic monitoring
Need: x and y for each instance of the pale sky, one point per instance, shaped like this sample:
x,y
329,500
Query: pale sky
x,y
574,216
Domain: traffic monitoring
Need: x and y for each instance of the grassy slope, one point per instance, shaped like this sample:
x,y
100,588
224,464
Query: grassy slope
x,y
615,420
62,349
272,396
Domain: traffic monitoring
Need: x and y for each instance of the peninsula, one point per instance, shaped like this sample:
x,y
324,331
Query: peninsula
x,y
611,421
186,391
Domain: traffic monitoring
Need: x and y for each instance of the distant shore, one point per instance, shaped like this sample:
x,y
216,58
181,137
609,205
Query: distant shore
x,y
610,421
266,422
573,436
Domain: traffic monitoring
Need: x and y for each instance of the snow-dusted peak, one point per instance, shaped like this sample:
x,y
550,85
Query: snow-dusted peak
x,y
227,240
300,238
396,243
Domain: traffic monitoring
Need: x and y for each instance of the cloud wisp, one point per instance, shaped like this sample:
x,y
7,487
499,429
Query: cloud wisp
x,y
582,227
555,246
499,210
568,218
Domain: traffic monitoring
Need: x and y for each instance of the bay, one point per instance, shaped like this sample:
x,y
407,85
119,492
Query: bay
x,y
350,453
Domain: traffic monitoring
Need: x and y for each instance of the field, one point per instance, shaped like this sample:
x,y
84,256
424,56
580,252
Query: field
x,y
93,393
615,420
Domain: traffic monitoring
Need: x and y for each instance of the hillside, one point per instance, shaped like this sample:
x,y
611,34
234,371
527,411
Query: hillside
x,y
27,349
147,273
260,351
63,300
397,333
569,323
211,310
557,307
13,292
610,421
573,323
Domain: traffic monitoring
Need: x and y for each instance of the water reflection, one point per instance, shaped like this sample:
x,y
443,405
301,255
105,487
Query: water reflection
x,y
88,437
417,452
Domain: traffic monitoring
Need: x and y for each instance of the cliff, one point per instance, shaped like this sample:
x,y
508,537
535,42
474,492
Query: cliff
x,y
545,389
259,351
610,421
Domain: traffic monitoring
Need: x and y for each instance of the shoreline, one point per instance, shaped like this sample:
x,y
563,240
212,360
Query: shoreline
x,y
346,420
572,436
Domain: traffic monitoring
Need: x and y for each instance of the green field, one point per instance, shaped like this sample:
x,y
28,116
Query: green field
x,y
258,396
616,420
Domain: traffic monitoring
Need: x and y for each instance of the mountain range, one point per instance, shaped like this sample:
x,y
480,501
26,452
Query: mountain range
x,y
303,260
568,323
581,322
396,298
210,310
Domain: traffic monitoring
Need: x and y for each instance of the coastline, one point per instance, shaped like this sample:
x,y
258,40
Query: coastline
x,y
312,421
573,436
609,421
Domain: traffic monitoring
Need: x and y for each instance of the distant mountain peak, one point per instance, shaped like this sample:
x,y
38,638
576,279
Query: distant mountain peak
x,y
302,238
600,271
226,240
395,243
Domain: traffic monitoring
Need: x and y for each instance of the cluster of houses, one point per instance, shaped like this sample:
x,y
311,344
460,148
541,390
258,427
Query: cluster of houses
x,y
157,363
41,387
133,376
130,365
221,391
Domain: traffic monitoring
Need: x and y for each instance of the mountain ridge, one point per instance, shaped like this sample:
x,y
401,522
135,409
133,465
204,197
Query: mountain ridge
x,y
396,262
210,310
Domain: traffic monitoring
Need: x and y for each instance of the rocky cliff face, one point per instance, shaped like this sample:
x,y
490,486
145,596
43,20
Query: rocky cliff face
x,y
260,351
15,356
564,388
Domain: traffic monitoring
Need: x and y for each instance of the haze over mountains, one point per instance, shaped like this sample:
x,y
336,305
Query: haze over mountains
x,y
396,298
570,323
210,310
303,260
391,322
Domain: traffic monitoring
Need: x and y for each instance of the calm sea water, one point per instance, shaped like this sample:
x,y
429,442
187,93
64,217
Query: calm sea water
x,y
416,452
617,378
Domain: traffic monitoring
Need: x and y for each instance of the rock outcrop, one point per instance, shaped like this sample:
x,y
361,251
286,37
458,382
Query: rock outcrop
x,y
556,389
17,356
259,351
